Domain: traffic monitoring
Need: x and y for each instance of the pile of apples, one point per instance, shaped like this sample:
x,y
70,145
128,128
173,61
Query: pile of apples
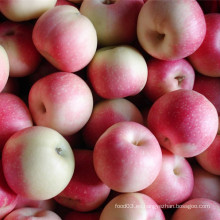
x,y
109,109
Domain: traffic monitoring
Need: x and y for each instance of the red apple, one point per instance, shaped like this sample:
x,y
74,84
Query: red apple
x,y
117,72
38,163
85,191
62,101
16,38
65,38
170,29
127,157
174,183
166,76
106,113
4,71
108,18
206,60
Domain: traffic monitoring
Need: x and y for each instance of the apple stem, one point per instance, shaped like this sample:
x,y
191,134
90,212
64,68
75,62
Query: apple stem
x,y
180,79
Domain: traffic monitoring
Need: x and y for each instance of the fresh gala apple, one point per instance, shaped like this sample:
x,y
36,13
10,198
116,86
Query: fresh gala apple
x,y
206,60
62,101
85,191
108,18
4,71
32,214
206,185
210,158
199,208
127,157
38,162
132,206
14,116
65,38
117,72
184,122
20,10
170,29
174,183
16,38
166,76
105,114
8,198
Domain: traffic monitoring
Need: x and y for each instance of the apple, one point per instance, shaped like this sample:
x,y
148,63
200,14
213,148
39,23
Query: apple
x,y
8,198
82,215
108,18
199,208
166,76
210,158
16,38
206,185
14,116
62,101
117,71
127,157
170,29
106,113
131,206
85,191
21,10
174,183
66,38
4,72
184,122
31,214
206,60
38,163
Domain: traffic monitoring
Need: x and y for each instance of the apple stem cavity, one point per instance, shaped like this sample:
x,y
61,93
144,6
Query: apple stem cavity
x,y
59,150
109,2
180,79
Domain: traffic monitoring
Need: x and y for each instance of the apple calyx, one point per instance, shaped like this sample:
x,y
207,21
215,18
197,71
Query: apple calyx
x,y
109,2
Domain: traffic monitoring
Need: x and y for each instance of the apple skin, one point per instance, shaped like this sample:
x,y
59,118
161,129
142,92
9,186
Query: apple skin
x,y
4,71
174,183
166,76
28,157
108,18
8,198
117,72
64,2
62,101
170,29
138,206
16,38
184,122
127,157
32,214
65,38
206,185
14,116
82,215
206,60
85,191
209,210
105,114
209,159
20,10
